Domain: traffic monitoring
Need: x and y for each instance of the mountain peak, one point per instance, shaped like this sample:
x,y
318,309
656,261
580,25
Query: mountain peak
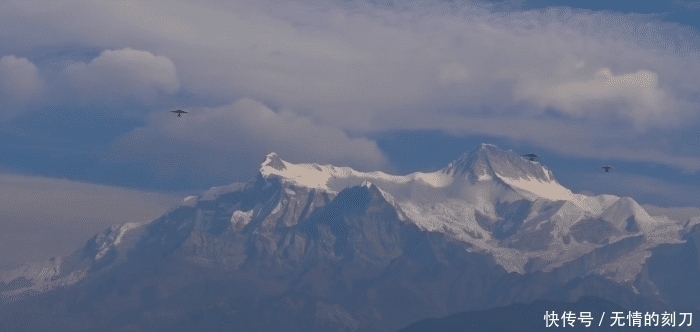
x,y
488,161
273,161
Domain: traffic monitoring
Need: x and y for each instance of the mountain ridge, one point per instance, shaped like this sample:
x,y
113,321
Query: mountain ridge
x,y
403,191
338,257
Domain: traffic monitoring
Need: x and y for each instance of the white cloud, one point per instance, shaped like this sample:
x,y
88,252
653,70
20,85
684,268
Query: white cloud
x,y
19,84
124,73
674,213
583,138
365,68
453,72
307,56
642,188
230,142
636,96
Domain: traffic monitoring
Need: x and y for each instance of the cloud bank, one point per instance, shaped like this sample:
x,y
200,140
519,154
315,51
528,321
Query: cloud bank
x,y
364,68
43,217
19,84
123,74
644,189
230,142
32,194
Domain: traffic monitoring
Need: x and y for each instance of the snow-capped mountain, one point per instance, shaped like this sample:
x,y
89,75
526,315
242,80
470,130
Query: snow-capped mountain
x,y
500,203
38,277
327,247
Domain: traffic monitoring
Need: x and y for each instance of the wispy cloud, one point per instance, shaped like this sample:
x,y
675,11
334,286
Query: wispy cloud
x,y
230,142
31,194
635,95
674,213
43,217
688,4
123,74
19,84
644,189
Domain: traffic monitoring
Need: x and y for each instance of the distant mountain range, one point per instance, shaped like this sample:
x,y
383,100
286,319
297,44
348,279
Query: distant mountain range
x,y
307,247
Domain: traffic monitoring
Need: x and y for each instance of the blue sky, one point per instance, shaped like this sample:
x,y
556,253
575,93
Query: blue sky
x,y
400,86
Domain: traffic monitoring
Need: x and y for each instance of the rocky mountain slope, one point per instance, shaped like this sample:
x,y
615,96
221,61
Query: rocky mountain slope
x,y
317,247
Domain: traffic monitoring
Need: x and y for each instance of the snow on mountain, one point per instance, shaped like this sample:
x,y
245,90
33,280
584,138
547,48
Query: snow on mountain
x,y
486,164
324,177
498,202
489,158
478,178
692,222
189,201
240,219
215,192
38,277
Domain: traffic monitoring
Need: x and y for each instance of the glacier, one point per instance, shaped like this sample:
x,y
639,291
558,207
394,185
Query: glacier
x,y
450,200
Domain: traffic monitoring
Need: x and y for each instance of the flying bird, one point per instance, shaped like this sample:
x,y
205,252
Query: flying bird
x,y
179,112
607,168
531,156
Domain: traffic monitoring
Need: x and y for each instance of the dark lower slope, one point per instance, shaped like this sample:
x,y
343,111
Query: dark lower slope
x,y
302,262
176,295
173,295
531,317
673,272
